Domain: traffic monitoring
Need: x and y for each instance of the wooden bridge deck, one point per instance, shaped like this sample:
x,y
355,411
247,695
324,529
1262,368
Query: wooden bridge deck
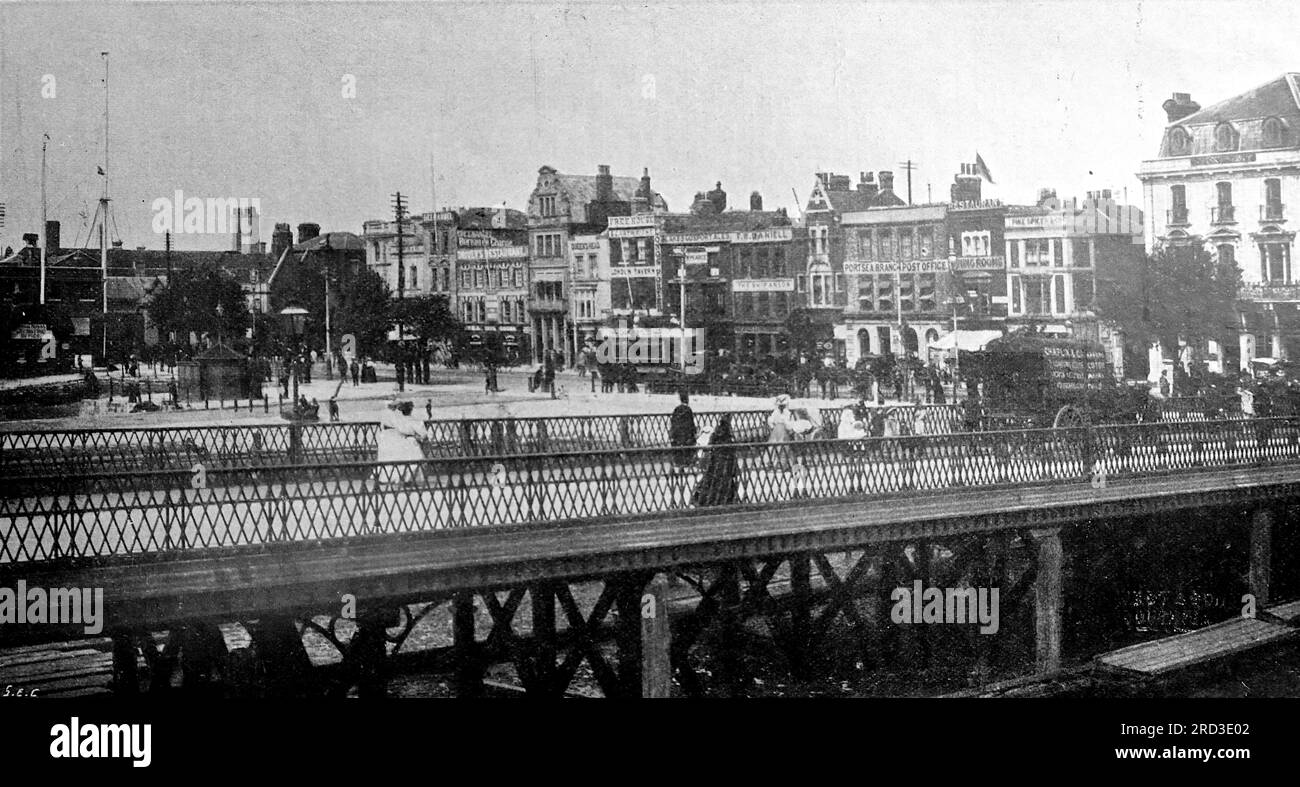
x,y
227,583
1228,638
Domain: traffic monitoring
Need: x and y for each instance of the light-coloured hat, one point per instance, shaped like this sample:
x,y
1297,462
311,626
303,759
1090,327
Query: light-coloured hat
x,y
782,399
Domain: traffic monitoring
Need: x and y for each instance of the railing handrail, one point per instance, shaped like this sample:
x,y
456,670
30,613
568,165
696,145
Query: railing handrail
x,y
1061,434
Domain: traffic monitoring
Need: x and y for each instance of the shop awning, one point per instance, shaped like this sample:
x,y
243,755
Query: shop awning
x,y
966,340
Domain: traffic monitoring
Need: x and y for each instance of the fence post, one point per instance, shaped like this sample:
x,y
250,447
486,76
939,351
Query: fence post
x,y
295,442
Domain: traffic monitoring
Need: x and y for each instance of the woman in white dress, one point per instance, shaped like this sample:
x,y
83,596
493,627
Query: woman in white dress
x,y
399,442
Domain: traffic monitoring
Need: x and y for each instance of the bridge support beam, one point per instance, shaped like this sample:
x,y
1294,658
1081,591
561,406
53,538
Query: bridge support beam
x,y
126,675
656,640
1261,555
1047,601
800,615
628,634
542,677
469,663
369,653
280,649
203,658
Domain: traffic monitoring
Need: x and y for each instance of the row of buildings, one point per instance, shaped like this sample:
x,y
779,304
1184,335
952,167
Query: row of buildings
x,y
859,273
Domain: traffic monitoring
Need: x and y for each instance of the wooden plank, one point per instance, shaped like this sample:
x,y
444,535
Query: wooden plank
x,y
1184,650
1289,611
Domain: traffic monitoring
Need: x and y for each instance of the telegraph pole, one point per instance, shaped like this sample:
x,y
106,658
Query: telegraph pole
x,y
908,166
399,213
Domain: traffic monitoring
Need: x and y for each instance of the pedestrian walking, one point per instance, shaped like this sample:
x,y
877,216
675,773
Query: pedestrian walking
x,y
428,408
356,373
681,432
399,442
720,484
548,376
334,409
781,424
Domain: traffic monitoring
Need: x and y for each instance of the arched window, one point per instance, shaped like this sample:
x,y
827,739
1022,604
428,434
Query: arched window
x,y
864,342
1180,142
1272,132
1225,137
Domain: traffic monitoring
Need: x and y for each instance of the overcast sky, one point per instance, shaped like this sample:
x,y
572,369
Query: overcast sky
x,y
246,100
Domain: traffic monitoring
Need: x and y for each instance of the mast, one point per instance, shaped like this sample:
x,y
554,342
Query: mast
x,y
45,224
103,227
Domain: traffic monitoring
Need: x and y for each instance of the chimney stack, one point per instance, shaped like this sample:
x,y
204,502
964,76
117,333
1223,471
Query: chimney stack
x,y
966,185
239,231
52,238
644,199
755,201
867,185
886,180
604,184
1179,107
307,231
718,197
281,239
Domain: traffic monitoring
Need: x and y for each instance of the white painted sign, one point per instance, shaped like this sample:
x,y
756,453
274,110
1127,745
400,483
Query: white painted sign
x,y
904,266
762,285
639,220
493,253
775,235
631,232
634,271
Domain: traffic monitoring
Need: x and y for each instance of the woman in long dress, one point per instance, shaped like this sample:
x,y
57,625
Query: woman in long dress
x,y
720,484
399,442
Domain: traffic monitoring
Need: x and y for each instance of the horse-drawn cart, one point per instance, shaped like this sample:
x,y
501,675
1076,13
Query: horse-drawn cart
x,y
1033,380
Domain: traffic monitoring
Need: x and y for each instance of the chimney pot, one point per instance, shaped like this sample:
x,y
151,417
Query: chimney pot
x,y
1179,107
755,201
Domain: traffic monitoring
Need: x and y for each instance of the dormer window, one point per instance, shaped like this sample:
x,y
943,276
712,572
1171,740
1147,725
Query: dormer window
x,y
1272,133
1225,137
1180,142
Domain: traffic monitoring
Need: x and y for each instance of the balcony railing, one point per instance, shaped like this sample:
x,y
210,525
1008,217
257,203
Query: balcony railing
x,y
1272,211
1177,217
1223,214
546,305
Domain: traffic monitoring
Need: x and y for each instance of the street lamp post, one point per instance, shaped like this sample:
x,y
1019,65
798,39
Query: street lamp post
x,y
295,317
955,301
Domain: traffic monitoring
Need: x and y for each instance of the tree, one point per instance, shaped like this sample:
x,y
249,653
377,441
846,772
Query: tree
x,y
203,299
362,310
358,300
1179,293
428,317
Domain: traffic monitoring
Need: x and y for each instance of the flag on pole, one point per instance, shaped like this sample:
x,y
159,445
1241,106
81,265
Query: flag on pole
x,y
982,169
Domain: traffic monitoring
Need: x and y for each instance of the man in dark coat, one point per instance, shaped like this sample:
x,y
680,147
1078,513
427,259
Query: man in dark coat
x,y
681,432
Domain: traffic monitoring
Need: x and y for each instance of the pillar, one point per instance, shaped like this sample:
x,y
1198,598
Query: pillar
x,y
469,666
1261,555
542,678
1247,346
656,640
1047,600
800,615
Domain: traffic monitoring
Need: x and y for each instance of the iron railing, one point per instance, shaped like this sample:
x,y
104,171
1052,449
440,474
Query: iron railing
x,y
178,448
128,450
57,516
